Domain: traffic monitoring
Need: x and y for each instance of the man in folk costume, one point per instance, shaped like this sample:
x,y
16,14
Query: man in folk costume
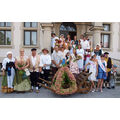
x,y
56,59
45,62
109,67
34,60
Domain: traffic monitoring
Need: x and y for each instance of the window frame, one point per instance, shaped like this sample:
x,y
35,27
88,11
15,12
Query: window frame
x,y
103,40
37,29
7,29
30,37
110,36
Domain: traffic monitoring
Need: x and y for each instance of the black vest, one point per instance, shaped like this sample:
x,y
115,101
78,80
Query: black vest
x,y
109,63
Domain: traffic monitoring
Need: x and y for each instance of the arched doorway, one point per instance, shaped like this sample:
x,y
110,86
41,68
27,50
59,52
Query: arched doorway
x,y
68,28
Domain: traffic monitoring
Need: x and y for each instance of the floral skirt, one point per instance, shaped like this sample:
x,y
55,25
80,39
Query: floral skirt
x,y
22,82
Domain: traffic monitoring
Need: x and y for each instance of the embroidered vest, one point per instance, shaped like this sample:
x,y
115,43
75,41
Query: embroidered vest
x,y
37,62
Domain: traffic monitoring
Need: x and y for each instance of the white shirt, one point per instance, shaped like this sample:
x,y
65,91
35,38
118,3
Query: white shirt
x,y
57,57
33,60
85,44
53,42
66,51
45,59
80,52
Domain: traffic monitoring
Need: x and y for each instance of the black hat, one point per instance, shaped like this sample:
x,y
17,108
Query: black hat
x,y
106,53
33,49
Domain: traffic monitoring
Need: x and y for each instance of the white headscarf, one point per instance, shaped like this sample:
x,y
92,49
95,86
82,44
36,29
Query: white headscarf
x,y
9,53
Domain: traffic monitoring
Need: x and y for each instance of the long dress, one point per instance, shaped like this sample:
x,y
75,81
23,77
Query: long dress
x,y
22,82
92,68
73,65
80,52
9,67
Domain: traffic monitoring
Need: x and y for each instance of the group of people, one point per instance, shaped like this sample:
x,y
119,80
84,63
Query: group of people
x,y
21,74
80,56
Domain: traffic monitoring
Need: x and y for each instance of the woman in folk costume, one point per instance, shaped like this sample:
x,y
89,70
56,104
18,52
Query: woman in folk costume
x,y
62,39
73,64
45,62
93,68
80,53
22,81
8,68
34,61
102,74
98,51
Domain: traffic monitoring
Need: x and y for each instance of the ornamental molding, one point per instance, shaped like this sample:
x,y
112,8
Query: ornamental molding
x,y
93,28
47,25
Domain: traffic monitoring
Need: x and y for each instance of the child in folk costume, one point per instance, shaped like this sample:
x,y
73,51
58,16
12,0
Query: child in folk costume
x,y
80,52
93,68
8,68
102,75
34,61
73,64
113,76
45,62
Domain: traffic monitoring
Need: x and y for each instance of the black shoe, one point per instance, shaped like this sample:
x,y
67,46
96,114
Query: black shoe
x,y
108,87
113,87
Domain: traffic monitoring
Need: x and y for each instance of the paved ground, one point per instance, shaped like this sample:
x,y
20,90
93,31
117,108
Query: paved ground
x,y
44,93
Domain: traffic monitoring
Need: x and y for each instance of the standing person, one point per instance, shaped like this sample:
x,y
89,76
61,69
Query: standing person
x,y
68,38
80,52
98,51
109,67
62,39
56,60
75,40
34,61
73,64
8,69
85,44
93,68
45,62
53,37
22,81
102,75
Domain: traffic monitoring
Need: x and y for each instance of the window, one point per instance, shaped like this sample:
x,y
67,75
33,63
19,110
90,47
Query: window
x,y
106,36
5,33
105,40
30,37
30,24
106,27
5,24
30,33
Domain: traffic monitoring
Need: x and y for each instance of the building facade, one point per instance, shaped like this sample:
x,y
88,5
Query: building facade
x,y
15,35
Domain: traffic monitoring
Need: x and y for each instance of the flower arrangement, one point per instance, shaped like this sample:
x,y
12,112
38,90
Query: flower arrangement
x,y
64,82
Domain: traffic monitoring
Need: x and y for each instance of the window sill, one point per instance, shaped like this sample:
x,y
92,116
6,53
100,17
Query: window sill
x,y
30,46
107,49
6,46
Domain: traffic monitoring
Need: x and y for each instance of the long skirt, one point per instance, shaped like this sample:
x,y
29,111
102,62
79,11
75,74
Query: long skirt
x,y
7,81
80,64
22,82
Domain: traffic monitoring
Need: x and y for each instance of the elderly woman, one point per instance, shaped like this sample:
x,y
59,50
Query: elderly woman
x,y
22,82
8,69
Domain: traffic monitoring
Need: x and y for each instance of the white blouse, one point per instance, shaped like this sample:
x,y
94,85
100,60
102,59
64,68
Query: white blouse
x,y
45,59
5,61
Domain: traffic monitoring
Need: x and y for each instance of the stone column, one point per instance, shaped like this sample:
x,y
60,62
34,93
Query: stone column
x,y
47,27
97,28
